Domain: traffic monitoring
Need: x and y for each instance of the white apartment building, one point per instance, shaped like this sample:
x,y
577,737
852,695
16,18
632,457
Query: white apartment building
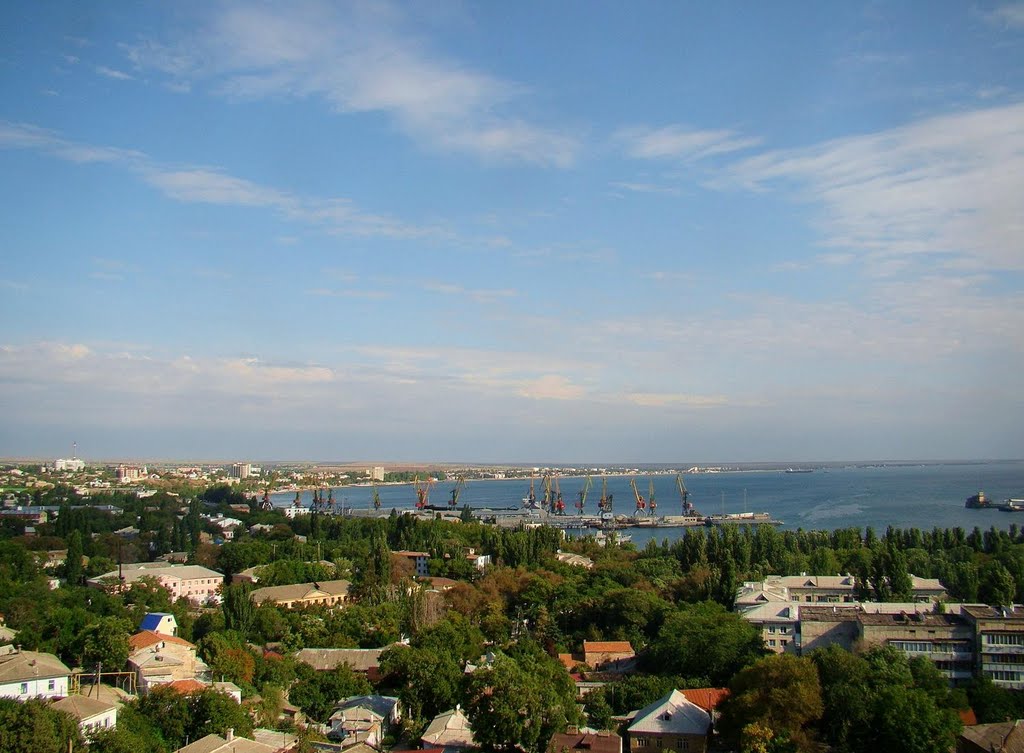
x,y
68,464
241,470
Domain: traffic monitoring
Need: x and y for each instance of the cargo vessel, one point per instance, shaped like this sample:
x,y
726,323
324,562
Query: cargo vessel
x,y
978,501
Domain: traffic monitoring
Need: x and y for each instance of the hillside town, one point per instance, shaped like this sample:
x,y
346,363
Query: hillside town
x,y
165,622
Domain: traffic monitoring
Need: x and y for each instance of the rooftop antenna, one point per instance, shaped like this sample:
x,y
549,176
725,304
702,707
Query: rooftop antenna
x,y
74,450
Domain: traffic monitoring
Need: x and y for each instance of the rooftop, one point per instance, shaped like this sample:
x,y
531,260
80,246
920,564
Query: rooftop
x,y
30,665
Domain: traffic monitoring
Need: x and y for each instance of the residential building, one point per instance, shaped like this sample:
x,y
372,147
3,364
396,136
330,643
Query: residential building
x,y
129,473
227,744
328,593
377,473
998,643
946,640
450,731
602,654
68,464
828,589
479,561
32,674
240,470
92,714
418,559
778,622
1001,737
160,622
294,510
194,582
670,723
585,741
575,560
158,659
364,719
365,661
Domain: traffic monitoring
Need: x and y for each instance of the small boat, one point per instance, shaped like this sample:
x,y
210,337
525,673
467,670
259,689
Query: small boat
x,y
799,470
978,502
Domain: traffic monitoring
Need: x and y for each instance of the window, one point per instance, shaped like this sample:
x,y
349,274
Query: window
x,y
24,688
771,642
52,685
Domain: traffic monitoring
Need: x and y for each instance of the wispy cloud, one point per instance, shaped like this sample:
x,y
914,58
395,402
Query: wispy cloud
x,y
678,142
113,73
478,295
371,295
207,185
654,188
357,59
1009,15
943,185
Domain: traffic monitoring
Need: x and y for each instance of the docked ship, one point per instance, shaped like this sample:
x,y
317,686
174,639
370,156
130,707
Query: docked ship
x,y
741,518
978,502
1012,505
799,470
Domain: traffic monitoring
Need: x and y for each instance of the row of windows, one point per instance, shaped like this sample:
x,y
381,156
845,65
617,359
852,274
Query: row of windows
x,y
51,685
929,647
998,674
1003,639
681,744
1003,659
782,642
781,628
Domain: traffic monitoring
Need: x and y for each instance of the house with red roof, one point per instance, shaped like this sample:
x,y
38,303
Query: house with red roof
x,y
158,659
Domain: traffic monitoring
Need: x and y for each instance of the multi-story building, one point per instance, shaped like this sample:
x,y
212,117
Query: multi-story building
x,y
68,464
377,473
824,589
327,593
159,659
418,559
194,582
946,640
998,643
129,473
670,723
240,471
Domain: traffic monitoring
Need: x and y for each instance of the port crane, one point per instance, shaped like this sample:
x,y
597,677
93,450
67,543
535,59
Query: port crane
x,y
531,498
581,503
605,503
640,504
422,491
546,502
688,508
376,497
559,502
652,504
460,484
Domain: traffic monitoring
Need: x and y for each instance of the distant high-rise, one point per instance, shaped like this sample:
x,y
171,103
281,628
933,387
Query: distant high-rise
x,y
241,470
377,473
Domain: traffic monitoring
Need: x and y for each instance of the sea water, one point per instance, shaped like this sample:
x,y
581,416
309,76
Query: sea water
x,y
903,496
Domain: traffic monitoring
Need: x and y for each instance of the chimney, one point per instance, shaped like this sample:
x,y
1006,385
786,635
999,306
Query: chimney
x,y
230,734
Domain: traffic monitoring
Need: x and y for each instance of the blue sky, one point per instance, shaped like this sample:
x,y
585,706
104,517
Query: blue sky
x,y
512,231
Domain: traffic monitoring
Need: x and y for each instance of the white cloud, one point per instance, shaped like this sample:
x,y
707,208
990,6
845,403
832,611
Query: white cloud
x,y
113,73
551,387
358,59
1009,15
678,142
478,295
665,400
205,185
640,187
949,185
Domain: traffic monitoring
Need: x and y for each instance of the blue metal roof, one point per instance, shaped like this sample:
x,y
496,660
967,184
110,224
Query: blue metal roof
x,y
152,620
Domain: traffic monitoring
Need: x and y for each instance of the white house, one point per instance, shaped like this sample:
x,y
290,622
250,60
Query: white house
x,y
92,714
31,674
160,622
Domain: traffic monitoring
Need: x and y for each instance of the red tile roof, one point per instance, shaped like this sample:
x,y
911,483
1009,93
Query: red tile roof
x,y
706,698
610,647
968,717
188,686
148,638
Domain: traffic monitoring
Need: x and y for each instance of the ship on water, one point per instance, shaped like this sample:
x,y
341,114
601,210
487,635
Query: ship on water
x,y
978,502
1012,505
799,470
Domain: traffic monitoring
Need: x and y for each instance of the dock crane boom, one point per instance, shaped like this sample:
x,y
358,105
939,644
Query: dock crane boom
x,y
581,503
559,502
652,504
422,491
547,503
688,508
460,484
640,504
